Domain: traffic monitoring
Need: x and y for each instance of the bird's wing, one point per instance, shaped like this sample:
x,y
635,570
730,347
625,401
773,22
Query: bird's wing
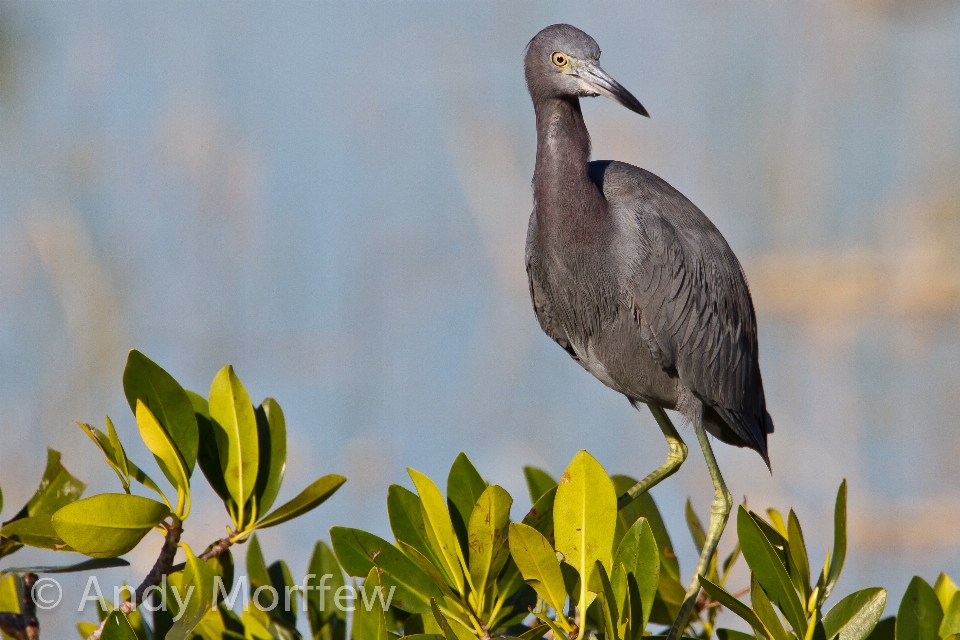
x,y
694,308
539,298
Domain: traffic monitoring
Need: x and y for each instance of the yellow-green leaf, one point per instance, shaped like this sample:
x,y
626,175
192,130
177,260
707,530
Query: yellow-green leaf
x,y
196,592
439,527
109,524
310,498
235,429
485,532
538,564
165,451
584,517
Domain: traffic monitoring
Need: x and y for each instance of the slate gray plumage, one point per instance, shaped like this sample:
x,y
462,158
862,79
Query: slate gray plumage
x,y
629,276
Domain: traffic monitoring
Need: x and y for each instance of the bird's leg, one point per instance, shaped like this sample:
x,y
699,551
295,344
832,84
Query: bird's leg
x,y
675,457
719,510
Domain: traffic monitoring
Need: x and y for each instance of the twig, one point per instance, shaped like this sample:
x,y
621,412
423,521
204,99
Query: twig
x,y
218,547
160,568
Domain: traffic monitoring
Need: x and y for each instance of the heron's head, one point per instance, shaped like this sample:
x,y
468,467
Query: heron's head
x,y
563,62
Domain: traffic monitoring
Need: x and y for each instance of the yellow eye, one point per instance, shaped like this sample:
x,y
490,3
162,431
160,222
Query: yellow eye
x,y
559,59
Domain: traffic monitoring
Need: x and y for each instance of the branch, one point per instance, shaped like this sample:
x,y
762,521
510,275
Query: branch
x,y
160,568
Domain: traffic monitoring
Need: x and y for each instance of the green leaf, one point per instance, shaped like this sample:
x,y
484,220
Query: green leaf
x,y
272,439
798,555
951,617
584,518
117,627
538,564
322,588
611,613
208,456
450,628
406,520
256,565
639,555
839,541
146,381
464,487
165,451
310,498
535,633
644,506
486,533
86,565
359,551
432,571
920,613
282,581
235,428
695,527
538,482
769,570
36,531
109,524
199,577
108,449
855,616
57,488
765,611
540,516
945,588
369,623
439,527
728,600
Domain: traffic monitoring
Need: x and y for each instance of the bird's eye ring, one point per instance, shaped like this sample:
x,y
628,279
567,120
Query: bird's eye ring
x,y
559,59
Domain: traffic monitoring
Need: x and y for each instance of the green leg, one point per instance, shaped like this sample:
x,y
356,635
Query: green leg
x,y
676,456
719,510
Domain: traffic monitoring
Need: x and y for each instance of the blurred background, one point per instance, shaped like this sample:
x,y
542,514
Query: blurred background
x,y
333,197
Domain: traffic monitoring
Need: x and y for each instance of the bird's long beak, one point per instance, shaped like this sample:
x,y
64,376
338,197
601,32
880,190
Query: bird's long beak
x,y
598,82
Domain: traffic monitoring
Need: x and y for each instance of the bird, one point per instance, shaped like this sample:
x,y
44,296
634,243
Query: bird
x,y
635,283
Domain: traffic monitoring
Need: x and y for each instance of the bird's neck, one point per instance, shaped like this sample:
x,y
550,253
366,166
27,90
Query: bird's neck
x,y
564,195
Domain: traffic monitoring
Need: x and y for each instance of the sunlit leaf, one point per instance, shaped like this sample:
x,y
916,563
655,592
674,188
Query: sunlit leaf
x,y
57,488
406,520
310,498
159,443
855,616
235,428
538,564
109,524
368,621
951,617
945,588
487,535
439,527
146,381
584,517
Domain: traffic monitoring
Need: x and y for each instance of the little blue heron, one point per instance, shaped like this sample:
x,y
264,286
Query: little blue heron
x,y
635,283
